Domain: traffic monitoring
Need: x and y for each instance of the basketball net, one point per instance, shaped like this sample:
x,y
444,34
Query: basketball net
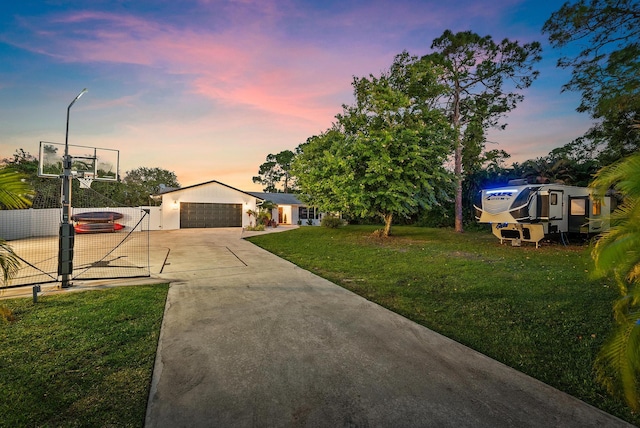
x,y
85,182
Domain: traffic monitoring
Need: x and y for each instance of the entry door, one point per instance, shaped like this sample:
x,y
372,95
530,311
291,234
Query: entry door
x,y
555,205
578,214
280,216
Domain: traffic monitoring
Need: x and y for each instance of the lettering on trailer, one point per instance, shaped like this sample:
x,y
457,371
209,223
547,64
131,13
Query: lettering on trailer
x,y
502,195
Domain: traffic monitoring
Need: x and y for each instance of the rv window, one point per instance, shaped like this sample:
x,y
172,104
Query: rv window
x,y
578,207
597,208
553,199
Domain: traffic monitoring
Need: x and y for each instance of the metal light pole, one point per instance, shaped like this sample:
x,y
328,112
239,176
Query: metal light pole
x,y
65,248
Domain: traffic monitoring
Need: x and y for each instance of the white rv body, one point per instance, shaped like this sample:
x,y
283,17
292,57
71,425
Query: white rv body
x,y
529,212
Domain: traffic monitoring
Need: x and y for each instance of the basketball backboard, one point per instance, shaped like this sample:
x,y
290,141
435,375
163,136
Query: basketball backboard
x,y
101,164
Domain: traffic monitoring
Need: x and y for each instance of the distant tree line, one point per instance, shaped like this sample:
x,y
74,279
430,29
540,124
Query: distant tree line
x,y
134,189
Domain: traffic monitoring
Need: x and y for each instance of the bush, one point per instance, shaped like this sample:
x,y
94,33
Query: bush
x,y
256,228
331,222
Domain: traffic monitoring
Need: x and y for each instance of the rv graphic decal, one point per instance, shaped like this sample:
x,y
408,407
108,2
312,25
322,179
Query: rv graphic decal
x,y
499,195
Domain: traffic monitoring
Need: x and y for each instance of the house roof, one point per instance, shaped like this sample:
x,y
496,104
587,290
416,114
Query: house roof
x,y
278,198
167,190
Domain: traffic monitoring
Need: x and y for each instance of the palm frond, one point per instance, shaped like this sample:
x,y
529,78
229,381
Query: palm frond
x,y
634,275
617,254
618,249
618,363
622,175
9,261
14,192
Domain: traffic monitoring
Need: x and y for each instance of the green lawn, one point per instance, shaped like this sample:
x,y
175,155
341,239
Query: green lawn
x,y
536,310
80,359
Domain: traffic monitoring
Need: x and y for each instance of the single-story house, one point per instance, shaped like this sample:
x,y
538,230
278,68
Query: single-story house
x,y
290,209
215,204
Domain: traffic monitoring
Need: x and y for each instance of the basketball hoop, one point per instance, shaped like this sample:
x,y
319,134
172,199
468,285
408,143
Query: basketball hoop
x,y
101,164
85,182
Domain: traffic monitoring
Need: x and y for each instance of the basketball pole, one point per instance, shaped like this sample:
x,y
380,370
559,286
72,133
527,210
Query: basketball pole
x,y
65,247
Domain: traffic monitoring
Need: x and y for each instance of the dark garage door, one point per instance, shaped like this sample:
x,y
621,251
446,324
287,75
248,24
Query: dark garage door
x,y
202,215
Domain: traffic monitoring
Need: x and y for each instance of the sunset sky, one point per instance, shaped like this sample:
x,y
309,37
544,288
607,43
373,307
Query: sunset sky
x,y
207,89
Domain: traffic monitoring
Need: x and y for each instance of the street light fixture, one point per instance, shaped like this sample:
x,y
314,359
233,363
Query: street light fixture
x,y
66,136
65,254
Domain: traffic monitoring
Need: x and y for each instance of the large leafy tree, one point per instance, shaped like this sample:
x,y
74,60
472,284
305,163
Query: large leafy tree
x,y
384,156
605,69
24,163
15,193
275,173
142,182
483,79
617,255
321,172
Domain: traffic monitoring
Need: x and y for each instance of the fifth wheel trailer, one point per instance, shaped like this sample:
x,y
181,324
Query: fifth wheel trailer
x,y
529,212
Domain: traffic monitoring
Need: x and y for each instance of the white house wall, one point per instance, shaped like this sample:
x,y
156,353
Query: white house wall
x,y
213,193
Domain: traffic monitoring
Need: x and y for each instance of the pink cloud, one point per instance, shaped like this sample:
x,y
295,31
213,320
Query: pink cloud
x,y
252,64
258,71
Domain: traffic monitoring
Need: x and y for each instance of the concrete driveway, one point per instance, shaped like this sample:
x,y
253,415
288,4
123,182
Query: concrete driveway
x,y
250,340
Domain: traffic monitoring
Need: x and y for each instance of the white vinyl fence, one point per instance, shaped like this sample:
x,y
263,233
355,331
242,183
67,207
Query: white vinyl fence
x,y
31,223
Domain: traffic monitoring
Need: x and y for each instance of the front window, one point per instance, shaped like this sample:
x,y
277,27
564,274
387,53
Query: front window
x,y
305,213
